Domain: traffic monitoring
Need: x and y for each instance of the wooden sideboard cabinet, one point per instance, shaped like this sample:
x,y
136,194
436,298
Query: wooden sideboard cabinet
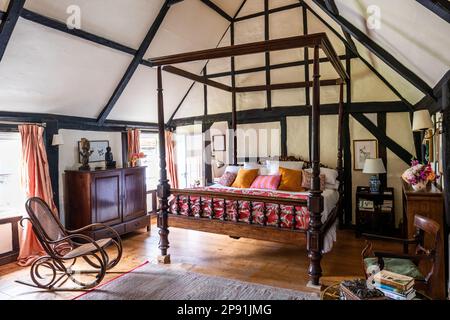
x,y
115,197
428,203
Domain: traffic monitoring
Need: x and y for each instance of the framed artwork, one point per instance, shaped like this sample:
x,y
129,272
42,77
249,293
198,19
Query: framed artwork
x,y
362,150
218,143
98,149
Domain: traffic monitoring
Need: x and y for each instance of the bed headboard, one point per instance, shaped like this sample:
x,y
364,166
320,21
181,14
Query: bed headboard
x,y
307,165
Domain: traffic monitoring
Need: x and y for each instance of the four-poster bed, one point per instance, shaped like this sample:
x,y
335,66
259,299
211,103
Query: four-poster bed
x,y
238,225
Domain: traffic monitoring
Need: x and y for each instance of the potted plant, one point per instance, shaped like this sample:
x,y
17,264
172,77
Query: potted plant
x,y
135,159
419,175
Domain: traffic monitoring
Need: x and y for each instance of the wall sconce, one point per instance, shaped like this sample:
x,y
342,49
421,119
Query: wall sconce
x,y
57,140
422,122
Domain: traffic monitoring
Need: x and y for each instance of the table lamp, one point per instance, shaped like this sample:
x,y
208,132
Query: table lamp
x,y
374,167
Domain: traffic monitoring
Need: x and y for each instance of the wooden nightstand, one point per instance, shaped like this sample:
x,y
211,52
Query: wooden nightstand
x,y
375,212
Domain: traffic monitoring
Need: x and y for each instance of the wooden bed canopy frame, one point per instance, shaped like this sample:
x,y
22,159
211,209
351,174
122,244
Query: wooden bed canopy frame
x,y
315,202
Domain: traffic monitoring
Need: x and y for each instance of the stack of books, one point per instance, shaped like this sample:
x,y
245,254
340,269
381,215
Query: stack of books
x,y
395,286
386,206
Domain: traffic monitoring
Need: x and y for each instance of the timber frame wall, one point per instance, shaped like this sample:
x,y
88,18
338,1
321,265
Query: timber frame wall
x,y
436,99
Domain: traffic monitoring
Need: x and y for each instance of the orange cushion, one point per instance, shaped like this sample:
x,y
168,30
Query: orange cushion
x,y
245,178
291,180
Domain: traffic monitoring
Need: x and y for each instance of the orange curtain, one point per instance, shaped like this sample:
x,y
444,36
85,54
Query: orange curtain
x,y
170,158
134,142
35,178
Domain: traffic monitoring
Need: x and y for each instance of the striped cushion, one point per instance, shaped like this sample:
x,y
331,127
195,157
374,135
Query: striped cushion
x,y
266,182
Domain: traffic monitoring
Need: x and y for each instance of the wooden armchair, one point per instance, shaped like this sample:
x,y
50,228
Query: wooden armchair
x,y
411,265
63,248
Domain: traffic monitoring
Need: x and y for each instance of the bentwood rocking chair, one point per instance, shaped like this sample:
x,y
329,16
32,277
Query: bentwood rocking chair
x,y
64,247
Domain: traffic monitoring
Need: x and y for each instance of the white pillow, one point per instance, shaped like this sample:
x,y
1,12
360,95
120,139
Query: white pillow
x,y
252,165
274,166
332,186
233,169
330,175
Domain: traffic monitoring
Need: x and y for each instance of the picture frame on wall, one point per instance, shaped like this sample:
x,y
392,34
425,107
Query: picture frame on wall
x,y
362,150
218,143
98,149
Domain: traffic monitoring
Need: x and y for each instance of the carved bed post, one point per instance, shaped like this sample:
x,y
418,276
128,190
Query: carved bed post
x,y
315,199
163,187
340,162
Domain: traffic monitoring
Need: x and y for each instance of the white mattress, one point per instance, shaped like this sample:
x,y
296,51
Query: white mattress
x,y
330,197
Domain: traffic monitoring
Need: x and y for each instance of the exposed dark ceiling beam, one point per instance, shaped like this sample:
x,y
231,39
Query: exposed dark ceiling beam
x,y
375,48
75,123
2,13
441,92
9,23
439,7
54,24
292,111
217,9
260,14
135,63
284,86
349,47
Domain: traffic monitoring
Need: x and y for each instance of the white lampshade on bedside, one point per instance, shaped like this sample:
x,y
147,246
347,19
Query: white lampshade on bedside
x,y
422,120
374,166
57,140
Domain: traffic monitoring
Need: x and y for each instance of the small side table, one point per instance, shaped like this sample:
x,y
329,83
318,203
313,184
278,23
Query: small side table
x,y
10,222
375,212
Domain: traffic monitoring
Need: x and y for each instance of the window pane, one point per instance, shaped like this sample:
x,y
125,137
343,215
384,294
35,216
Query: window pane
x,y
149,146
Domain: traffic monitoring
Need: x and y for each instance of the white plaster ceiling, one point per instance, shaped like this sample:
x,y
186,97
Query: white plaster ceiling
x,y
126,22
46,71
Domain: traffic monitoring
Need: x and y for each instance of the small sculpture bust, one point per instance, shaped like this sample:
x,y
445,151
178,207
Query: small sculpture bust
x,y
109,159
85,153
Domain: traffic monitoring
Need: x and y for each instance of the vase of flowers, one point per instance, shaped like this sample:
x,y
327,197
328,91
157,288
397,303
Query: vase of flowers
x,y
135,159
419,175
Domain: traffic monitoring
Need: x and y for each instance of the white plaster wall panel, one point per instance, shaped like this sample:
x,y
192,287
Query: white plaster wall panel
x,y
298,136
183,31
259,139
251,100
291,55
252,6
47,71
314,22
328,94
229,6
398,128
126,22
4,5
422,49
406,89
139,100
328,140
281,3
68,154
219,65
194,103
288,97
250,61
326,70
250,30
366,86
251,79
285,24
286,75
219,101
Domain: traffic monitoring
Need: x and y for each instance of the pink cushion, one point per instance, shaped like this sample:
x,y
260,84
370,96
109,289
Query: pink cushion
x,y
266,182
227,179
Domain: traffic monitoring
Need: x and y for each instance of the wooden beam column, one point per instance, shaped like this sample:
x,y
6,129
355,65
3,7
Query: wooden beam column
x,y
163,187
446,147
347,149
315,199
267,57
382,150
233,132
283,127
340,154
307,77
207,150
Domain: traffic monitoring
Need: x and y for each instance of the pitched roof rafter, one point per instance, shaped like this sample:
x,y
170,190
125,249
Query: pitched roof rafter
x,y
8,23
217,9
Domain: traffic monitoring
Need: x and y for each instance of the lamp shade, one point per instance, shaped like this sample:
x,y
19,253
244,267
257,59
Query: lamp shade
x,y
57,140
422,120
374,166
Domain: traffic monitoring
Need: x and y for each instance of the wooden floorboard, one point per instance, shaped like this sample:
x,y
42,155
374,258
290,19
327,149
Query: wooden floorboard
x,y
249,260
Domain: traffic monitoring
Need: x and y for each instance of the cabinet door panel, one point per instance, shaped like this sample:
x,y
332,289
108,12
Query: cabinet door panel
x,y
107,198
135,200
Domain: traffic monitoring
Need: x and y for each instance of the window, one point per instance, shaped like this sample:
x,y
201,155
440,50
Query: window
x,y
189,154
12,197
149,146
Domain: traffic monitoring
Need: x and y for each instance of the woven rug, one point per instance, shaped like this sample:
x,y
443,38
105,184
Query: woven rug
x,y
154,282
